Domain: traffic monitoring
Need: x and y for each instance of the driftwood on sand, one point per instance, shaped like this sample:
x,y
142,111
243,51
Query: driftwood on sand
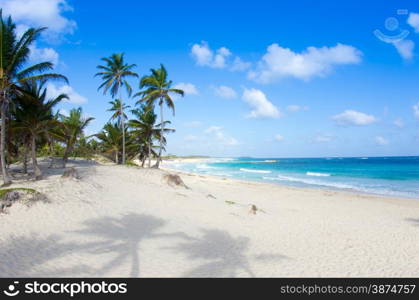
x,y
71,173
253,209
174,180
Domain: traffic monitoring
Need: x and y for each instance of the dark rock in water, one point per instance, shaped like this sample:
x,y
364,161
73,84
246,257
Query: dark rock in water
x,y
174,180
71,173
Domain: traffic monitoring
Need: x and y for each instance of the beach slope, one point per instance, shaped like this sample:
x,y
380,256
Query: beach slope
x,y
126,221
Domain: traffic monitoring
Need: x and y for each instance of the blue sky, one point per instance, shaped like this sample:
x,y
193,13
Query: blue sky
x,y
265,79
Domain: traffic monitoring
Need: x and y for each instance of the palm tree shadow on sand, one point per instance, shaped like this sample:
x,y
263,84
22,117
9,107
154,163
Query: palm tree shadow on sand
x,y
225,253
414,221
27,256
122,237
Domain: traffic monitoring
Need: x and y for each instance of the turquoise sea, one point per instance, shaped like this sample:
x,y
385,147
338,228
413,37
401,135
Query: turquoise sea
x,y
390,176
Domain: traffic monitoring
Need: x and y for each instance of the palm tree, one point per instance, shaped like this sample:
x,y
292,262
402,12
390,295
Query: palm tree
x,y
14,54
71,129
114,75
145,129
118,109
157,88
110,137
34,117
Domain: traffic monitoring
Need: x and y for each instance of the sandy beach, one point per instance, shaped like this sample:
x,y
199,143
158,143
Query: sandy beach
x,y
120,221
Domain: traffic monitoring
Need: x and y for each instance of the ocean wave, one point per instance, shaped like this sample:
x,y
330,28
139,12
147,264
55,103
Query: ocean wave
x,y
377,190
222,174
204,166
311,182
317,174
255,171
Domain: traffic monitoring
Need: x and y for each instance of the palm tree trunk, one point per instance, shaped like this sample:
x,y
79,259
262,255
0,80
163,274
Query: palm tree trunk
x,y
116,156
149,153
37,170
67,152
123,129
25,158
6,178
161,134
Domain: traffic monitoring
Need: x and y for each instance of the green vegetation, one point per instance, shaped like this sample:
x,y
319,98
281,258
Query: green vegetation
x,y
71,130
114,75
32,128
3,192
157,89
14,72
130,163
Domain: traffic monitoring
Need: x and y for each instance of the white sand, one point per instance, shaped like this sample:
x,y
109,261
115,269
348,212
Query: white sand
x,y
122,221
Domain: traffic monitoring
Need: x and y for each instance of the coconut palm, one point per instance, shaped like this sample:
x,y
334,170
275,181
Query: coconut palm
x,y
72,128
157,89
14,55
110,138
33,116
118,109
114,75
145,129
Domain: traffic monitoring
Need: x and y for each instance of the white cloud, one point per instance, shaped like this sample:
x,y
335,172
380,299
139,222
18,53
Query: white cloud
x,y
213,129
193,124
416,110
218,59
323,139
405,48
352,117
297,107
43,54
261,106
399,123
281,62
240,65
204,56
217,133
74,97
225,92
41,13
188,88
413,21
381,141
190,138
278,138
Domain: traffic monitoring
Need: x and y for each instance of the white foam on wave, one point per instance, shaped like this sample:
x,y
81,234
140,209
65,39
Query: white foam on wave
x,y
221,159
205,166
317,174
255,171
311,182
